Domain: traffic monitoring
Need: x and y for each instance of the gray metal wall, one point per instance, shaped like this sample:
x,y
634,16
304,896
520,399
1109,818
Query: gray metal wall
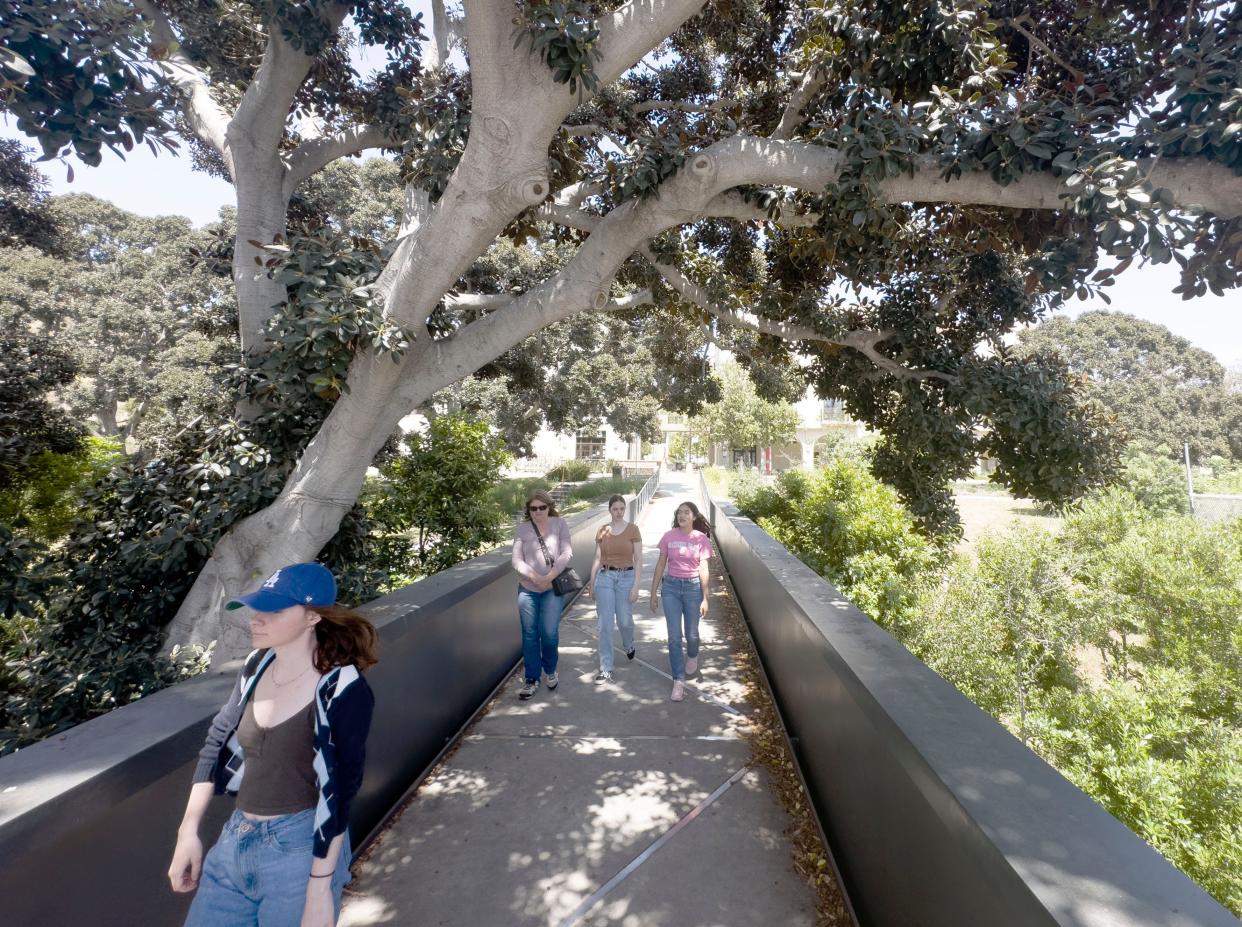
x,y
936,814
88,818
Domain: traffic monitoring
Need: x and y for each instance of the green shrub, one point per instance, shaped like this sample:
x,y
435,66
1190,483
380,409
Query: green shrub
x,y
1155,480
44,505
1134,745
839,446
432,509
1225,478
743,485
1171,587
571,471
600,490
509,496
1007,623
853,530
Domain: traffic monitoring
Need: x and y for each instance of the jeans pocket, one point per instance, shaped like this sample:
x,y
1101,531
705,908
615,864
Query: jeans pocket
x,y
294,837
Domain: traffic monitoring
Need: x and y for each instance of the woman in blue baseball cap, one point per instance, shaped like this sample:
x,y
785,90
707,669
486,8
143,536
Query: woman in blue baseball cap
x,y
296,725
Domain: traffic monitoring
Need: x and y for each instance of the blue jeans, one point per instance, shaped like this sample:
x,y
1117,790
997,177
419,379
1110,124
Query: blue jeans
x,y
612,603
681,599
257,872
541,630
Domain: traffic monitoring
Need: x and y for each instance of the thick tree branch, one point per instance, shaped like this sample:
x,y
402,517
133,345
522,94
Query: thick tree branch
x,y
264,108
440,30
575,193
733,205
312,156
743,159
810,84
629,34
862,341
206,118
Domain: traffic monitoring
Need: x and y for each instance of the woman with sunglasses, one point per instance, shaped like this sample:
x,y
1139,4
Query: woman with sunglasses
x,y
541,552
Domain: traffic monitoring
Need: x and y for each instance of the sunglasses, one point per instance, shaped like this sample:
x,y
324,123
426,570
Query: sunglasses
x,y
537,508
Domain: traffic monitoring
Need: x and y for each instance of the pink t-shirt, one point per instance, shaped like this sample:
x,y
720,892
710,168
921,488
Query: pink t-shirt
x,y
685,552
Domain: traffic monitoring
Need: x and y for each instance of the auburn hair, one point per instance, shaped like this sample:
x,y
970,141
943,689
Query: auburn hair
x,y
344,637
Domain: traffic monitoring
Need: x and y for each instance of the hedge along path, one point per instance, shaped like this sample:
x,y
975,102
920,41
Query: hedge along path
x,y
610,804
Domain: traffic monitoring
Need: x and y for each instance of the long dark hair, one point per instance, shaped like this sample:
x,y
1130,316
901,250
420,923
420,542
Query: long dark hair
x,y
542,497
700,523
343,637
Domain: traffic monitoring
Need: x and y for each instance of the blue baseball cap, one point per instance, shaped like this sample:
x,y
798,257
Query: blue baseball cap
x,y
300,584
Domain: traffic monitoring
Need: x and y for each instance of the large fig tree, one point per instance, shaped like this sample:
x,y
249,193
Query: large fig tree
x,y
880,189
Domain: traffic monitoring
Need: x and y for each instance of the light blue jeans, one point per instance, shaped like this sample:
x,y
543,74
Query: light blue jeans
x,y
541,630
681,599
612,603
256,874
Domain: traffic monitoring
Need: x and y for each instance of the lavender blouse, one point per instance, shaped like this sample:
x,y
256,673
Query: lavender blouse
x,y
528,557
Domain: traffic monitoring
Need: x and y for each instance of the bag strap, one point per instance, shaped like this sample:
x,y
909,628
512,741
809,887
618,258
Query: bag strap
x,y
547,557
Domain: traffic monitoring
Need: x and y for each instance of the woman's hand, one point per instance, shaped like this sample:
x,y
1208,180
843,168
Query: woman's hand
x,y
703,607
633,594
590,589
319,910
187,863
655,594
541,582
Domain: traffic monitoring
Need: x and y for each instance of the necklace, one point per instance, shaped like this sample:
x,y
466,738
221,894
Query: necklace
x,y
281,685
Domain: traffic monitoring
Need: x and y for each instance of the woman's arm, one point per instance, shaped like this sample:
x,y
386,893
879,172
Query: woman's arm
x,y
565,549
519,562
319,909
595,564
655,578
704,576
187,858
638,570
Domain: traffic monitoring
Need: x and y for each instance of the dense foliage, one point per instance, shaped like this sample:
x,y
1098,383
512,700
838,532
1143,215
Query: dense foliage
x,y
1162,389
149,323
1112,648
431,509
890,279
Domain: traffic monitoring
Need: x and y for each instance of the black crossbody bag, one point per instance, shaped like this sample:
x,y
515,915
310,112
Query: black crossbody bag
x,y
568,582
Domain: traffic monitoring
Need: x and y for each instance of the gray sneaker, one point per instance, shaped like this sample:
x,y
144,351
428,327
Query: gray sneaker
x,y
603,676
553,681
528,690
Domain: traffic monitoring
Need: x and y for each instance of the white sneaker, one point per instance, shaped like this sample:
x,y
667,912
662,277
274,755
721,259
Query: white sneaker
x,y
692,666
553,681
603,676
679,690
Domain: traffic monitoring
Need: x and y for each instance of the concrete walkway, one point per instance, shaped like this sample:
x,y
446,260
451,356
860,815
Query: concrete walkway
x,y
595,805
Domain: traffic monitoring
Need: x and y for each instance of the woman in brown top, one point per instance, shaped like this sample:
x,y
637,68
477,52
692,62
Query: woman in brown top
x,y
615,577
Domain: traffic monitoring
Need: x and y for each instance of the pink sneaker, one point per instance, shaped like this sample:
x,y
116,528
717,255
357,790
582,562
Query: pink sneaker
x,y
692,666
679,690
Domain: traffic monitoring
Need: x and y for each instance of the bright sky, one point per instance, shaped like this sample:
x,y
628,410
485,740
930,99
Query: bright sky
x,y
151,185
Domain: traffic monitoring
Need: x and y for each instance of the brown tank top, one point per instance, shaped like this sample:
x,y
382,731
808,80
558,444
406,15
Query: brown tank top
x,y
280,771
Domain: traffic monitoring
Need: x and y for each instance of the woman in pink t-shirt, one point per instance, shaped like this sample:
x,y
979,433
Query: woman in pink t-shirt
x,y
685,551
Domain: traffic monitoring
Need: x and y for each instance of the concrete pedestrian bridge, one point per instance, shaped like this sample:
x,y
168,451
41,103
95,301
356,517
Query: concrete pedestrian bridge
x,y
610,804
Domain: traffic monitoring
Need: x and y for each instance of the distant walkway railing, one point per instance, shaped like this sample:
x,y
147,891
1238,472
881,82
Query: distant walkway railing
x,y
936,814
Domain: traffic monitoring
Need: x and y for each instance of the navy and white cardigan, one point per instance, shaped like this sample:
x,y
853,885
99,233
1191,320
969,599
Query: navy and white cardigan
x,y
343,706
